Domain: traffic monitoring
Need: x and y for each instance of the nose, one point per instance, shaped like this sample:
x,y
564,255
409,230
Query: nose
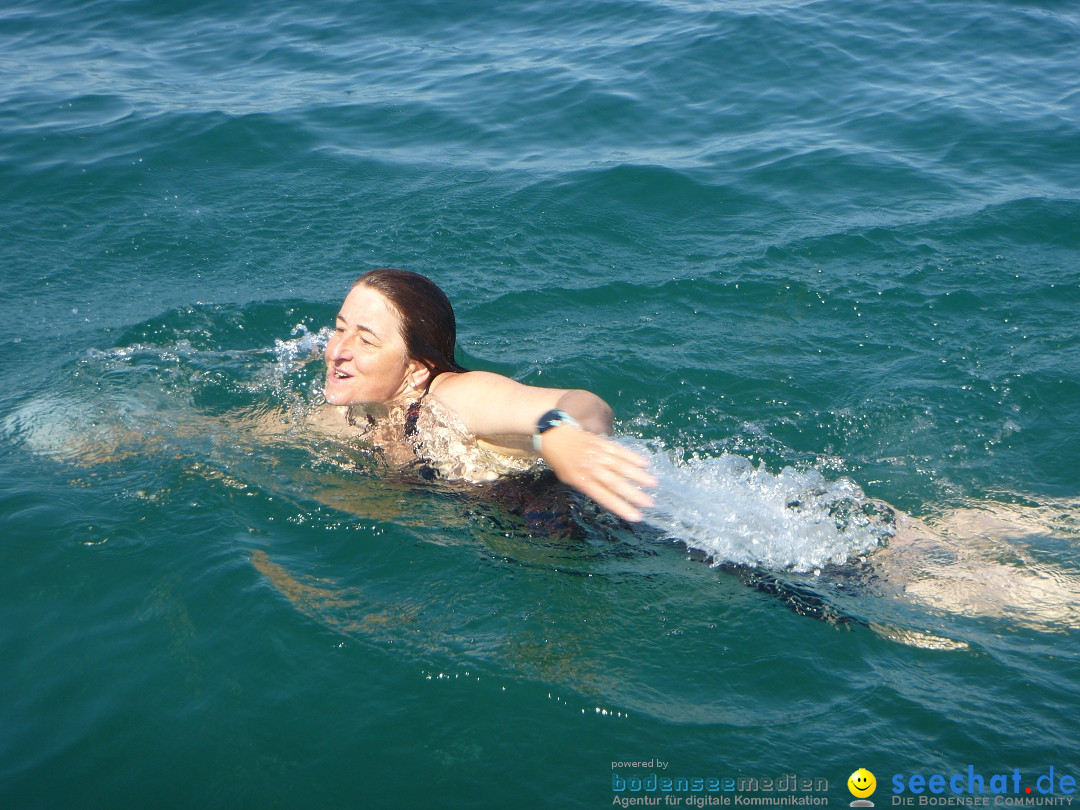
x,y
337,348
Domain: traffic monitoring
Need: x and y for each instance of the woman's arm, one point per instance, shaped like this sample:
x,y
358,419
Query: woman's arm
x,y
580,455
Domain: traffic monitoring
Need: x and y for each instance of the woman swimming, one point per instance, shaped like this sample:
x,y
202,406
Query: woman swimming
x,y
391,383
392,379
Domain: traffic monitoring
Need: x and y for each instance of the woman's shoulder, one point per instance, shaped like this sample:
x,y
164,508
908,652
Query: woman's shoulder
x,y
468,381
491,404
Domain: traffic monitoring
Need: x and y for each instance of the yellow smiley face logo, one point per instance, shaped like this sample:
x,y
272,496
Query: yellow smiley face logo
x,y
861,783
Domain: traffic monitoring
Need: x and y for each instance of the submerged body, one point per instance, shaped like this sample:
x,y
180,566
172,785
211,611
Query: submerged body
x,y
425,436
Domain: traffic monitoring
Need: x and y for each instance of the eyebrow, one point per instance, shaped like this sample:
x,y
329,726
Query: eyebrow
x,y
361,327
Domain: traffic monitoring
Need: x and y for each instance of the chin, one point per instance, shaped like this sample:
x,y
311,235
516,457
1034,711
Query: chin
x,y
335,395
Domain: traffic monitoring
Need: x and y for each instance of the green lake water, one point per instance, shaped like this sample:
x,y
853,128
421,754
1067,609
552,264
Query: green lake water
x,y
823,260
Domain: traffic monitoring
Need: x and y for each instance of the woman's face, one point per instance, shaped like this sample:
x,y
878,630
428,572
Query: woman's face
x,y
365,357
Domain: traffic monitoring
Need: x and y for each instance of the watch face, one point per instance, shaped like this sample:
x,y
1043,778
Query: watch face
x,y
553,418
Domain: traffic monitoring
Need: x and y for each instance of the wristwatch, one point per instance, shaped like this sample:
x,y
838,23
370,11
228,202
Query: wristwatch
x,y
551,419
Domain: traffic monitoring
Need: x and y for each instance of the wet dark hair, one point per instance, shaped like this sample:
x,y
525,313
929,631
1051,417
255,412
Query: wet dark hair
x,y
428,326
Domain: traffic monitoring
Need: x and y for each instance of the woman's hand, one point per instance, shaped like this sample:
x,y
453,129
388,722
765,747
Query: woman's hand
x,y
608,473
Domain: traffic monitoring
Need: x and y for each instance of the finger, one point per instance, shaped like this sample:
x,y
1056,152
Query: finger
x,y
617,506
639,476
629,465
616,494
626,454
624,478
629,492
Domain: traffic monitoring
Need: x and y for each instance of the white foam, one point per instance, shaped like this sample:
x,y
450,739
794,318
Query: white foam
x,y
304,345
736,512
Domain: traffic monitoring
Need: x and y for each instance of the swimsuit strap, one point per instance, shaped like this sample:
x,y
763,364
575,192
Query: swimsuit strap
x,y
351,420
412,413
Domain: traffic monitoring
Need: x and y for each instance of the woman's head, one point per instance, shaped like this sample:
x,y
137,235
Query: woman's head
x,y
428,326
394,333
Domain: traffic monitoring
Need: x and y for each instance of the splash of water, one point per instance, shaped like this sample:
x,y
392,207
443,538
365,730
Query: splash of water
x,y
291,357
297,352
736,512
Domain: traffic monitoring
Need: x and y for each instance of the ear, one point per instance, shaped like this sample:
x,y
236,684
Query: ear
x,y
418,375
